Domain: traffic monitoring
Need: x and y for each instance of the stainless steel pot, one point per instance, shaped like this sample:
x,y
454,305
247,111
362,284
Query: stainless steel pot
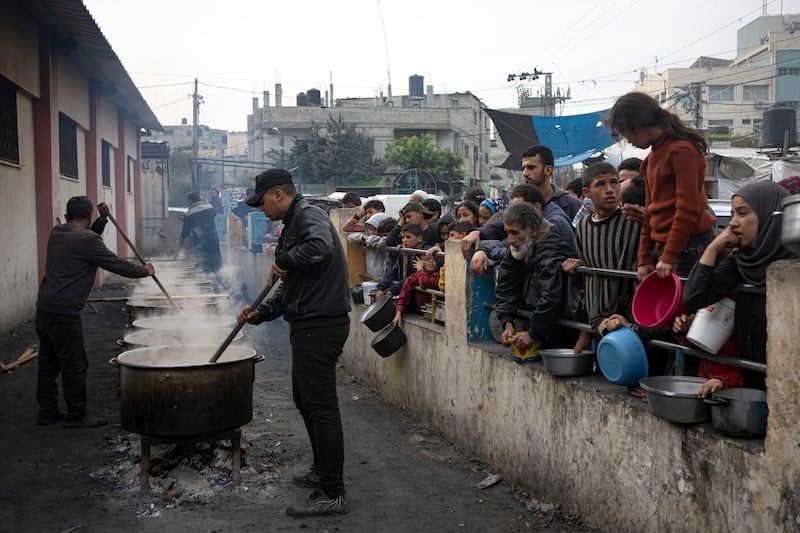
x,y
192,336
790,231
565,362
379,314
173,391
739,412
674,398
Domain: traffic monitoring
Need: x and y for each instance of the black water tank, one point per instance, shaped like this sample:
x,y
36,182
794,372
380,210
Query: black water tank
x,y
302,100
777,119
416,85
314,98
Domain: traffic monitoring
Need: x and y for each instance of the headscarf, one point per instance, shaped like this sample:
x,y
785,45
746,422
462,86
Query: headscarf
x,y
376,219
493,204
764,197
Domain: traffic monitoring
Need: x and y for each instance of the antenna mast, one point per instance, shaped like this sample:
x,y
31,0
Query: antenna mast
x,y
386,48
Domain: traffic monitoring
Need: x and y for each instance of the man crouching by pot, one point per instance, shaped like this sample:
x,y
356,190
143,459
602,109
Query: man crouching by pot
x,y
314,300
74,251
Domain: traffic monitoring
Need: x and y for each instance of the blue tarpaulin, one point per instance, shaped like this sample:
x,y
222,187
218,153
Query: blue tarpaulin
x,y
572,139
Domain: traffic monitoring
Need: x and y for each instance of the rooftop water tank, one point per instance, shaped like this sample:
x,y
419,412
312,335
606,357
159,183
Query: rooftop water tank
x,y
777,119
302,100
314,97
416,85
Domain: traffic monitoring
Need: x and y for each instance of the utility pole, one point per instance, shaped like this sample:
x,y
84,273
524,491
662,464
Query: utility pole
x,y
696,89
195,166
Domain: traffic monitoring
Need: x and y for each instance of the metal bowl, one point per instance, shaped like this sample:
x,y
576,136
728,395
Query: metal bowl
x,y
565,362
674,398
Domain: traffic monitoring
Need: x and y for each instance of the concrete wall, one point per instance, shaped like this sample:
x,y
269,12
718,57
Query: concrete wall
x,y
588,444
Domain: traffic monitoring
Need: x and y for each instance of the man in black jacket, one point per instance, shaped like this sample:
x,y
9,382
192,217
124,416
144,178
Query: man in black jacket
x,y
314,299
73,254
530,278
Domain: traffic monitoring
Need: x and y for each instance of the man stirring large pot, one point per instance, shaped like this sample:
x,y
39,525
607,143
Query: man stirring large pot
x,y
314,300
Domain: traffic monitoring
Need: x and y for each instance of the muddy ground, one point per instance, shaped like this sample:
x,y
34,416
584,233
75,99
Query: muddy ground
x,y
400,475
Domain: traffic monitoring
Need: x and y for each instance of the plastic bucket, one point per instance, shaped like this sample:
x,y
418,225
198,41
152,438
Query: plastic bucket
x,y
622,357
528,356
369,287
658,300
713,325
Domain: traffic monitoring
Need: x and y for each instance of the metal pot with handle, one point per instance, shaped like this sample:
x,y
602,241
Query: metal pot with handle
x,y
790,231
739,412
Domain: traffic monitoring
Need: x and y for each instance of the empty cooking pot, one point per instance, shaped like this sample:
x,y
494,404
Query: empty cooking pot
x,y
389,340
674,398
565,362
380,314
739,412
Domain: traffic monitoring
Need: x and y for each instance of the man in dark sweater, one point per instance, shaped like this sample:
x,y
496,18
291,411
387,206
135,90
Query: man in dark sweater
x,y
73,254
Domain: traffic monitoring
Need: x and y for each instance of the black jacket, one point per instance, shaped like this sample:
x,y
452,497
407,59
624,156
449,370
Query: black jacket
x,y
315,286
537,284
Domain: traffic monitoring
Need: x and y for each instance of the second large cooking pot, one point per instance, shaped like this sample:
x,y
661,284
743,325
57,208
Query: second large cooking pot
x,y
173,391
739,412
192,336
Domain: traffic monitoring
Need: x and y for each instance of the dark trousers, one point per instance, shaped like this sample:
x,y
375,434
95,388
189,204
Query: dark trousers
x,y
695,247
315,352
61,351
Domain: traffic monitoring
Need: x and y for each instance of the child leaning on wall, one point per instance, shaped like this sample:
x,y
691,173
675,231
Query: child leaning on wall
x,y
458,230
425,277
392,280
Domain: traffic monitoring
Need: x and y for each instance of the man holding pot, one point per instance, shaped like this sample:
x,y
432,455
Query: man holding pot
x,y
314,300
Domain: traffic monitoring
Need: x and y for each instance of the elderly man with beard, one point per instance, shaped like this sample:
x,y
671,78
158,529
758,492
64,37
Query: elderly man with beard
x,y
530,277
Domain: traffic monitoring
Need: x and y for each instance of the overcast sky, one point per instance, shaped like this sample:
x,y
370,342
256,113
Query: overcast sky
x,y
239,48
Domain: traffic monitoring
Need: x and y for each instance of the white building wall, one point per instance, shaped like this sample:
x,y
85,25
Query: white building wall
x,y
19,284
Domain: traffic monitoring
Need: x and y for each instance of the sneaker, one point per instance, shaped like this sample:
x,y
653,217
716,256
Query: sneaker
x,y
319,504
309,480
87,421
49,419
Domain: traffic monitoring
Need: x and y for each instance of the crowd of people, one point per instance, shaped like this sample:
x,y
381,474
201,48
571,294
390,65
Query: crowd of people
x,y
642,216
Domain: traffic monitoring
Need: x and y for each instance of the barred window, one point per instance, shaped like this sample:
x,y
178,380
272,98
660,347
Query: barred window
x,y
9,134
106,163
67,146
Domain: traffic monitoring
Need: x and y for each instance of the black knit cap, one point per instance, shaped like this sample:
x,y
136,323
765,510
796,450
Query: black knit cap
x,y
267,180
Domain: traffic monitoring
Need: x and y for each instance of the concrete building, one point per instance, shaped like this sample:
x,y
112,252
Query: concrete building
x,y
70,124
735,93
211,142
454,121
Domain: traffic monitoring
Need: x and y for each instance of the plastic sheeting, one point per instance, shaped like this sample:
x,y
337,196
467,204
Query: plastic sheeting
x,y
572,139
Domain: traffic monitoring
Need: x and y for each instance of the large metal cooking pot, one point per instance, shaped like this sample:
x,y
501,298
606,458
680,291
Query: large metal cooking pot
x,y
790,231
674,398
193,336
739,412
173,391
179,322
141,308
379,314
565,362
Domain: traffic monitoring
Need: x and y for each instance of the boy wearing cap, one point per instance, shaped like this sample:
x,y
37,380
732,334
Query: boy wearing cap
x,y
74,251
314,299
415,213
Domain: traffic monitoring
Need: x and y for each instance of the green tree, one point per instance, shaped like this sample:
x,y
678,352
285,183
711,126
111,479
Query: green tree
x,y
180,178
336,152
419,151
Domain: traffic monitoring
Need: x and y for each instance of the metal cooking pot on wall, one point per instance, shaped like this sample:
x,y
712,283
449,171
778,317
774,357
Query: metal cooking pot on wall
x,y
674,398
790,231
379,314
173,391
739,412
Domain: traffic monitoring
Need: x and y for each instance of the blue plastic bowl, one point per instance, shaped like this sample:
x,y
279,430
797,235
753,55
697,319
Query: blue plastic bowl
x,y
622,358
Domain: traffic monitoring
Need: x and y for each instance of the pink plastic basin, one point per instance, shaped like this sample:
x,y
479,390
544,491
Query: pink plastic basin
x,y
658,300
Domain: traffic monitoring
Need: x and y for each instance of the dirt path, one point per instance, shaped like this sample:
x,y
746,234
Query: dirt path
x,y
399,474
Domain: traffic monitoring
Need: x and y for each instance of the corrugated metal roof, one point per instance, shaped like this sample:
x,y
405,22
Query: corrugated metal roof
x,y
73,22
